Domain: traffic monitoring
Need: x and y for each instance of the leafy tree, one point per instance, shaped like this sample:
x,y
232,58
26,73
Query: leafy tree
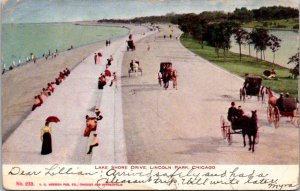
x,y
240,36
260,39
295,60
274,44
248,40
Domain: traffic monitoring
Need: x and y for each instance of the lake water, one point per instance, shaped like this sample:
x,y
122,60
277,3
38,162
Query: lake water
x,y
19,40
289,47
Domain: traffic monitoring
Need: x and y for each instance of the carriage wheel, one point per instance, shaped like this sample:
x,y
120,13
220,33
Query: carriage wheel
x,y
223,127
270,114
276,117
229,136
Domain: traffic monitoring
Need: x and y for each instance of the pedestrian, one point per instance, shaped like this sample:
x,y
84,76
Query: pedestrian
x,y
101,81
46,139
114,79
98,58
109,42
91,125
94,143
98,114
95,58
37,102
107,72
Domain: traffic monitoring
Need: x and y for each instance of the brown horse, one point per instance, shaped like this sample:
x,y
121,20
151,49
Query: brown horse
x,y
166,77
250,128
272,99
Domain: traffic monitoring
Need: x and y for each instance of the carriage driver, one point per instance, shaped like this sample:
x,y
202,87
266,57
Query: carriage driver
x,y
232,113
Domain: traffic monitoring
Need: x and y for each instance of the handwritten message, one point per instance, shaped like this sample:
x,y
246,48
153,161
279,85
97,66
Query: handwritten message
x,y
154,176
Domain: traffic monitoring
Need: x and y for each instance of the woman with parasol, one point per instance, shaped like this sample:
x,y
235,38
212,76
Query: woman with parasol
x,y
46,135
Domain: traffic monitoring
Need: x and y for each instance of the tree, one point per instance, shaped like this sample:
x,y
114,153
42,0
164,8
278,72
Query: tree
x,y
260,39
240,38
218,35
248,40
295,60
200,31
274,44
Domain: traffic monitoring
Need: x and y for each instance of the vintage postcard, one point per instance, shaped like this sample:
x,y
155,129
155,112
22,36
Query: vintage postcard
x,y
150,94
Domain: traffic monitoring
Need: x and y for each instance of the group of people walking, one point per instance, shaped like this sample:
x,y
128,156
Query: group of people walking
x,y
107,42
107,75
91,126
90,121
47,91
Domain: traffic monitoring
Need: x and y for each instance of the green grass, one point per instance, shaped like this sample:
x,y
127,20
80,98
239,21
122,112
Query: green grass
x,y
247,65
280,24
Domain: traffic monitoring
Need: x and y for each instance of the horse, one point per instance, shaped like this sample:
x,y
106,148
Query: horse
x,y
167,76
250,129
272,99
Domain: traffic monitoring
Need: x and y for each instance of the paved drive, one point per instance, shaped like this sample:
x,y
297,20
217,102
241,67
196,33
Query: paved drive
x,y
182,126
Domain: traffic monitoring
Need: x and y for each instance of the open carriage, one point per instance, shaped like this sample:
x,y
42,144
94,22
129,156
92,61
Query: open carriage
x,y
135,68
131,45
252,87
286,108
166,74
244,125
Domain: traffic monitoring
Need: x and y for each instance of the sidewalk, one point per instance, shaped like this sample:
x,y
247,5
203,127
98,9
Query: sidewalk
x,y
75,98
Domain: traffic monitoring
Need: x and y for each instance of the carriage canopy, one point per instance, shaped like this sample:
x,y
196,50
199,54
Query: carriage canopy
x,y
289,104
253,84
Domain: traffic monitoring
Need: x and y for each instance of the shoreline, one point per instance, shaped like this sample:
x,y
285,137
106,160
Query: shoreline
x,y
59,52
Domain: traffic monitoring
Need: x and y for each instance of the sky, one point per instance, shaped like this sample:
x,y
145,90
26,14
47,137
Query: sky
x,y
37,11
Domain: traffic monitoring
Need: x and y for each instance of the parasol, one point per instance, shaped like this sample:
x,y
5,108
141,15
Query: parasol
x,y
52,119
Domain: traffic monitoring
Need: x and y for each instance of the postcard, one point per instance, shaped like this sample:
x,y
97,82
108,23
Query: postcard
x,y
150,94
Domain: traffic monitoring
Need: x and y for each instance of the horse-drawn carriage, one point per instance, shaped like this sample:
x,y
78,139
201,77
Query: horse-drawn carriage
x,y
167,74
135,68
282,107
131,45
244,125
252,87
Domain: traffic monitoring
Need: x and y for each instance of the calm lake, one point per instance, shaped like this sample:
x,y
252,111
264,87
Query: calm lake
x,y
289,47
19,40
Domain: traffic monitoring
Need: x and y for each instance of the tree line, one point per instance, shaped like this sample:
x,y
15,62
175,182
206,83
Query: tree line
x,y
215,28
239,14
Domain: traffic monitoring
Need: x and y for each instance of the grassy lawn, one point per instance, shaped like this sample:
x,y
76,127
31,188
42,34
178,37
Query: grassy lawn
x,y
283,24
247,65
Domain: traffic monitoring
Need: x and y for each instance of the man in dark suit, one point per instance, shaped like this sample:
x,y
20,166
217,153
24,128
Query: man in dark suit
x,y
232,112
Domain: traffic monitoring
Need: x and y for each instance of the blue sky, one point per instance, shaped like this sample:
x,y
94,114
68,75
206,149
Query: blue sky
x,y
21,11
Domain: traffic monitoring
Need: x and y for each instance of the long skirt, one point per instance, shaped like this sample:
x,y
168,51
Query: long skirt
x,y
47,144
98,60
